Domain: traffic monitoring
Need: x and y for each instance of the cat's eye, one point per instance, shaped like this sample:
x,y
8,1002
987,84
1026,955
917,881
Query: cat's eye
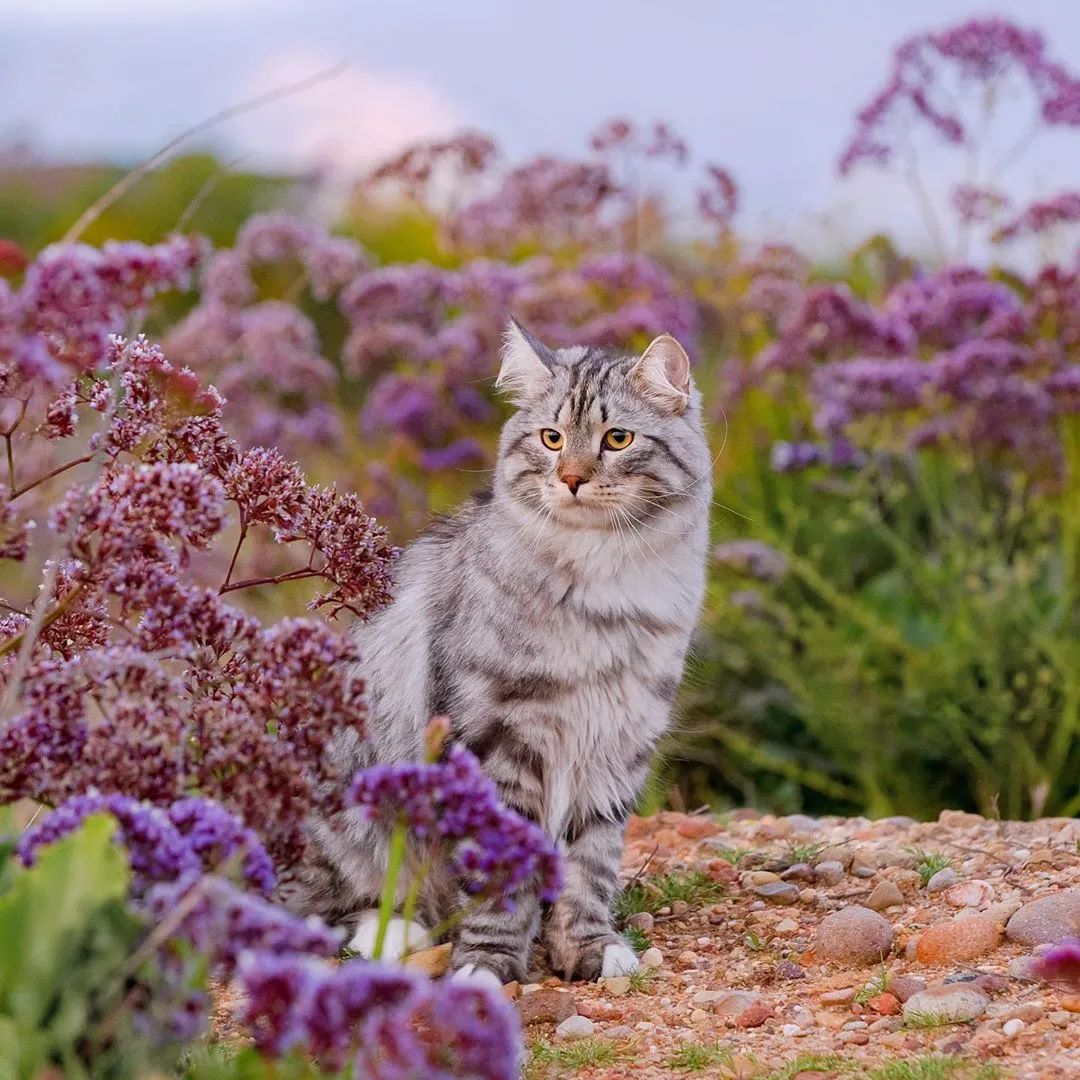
x,y
617,438
551,438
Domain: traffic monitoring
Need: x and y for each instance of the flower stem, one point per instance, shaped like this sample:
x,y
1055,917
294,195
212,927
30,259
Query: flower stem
x,y
398,841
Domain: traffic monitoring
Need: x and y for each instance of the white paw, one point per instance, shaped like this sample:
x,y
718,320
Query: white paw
x,y
479,976
401,936
619,959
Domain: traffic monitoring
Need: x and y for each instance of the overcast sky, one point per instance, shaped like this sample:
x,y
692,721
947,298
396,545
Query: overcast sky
x,y
766,87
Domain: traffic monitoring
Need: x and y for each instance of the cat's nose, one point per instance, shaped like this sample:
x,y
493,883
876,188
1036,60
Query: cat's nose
x,y
573,482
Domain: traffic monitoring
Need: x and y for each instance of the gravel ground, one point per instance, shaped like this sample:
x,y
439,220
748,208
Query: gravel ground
x,y
759,975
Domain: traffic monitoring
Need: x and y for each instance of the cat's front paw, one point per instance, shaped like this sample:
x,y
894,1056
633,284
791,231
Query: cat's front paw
x,y
479,976
401,936
602,958
619,959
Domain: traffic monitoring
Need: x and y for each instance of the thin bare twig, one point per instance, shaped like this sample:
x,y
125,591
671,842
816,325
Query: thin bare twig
x,y
129,180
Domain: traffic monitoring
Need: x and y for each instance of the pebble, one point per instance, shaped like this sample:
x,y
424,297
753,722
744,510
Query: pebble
x,y
969,894
1013,1027
576,1027
707,997
829,872
942,880
838,997
885,895
754,878
788,969
1046,921
642,920
696,828
787,926
546,1007
1071,1003
802,823
960,819
854,935
903,986
886,1004
734,1002
617,986
799,871
791,1031
698,1016
862,867
778,892
622,1031
755,1015
956,1003
652,957
679,908
959,939
687,959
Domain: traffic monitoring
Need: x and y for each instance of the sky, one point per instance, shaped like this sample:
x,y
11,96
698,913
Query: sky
x,y
768,88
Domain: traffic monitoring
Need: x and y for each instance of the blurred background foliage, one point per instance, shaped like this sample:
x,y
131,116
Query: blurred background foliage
x,y
892,616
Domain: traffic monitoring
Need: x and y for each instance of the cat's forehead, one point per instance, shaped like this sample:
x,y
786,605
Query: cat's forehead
x,y
591,375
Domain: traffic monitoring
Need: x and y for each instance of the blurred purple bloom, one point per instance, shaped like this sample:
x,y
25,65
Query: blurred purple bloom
x,y
493,850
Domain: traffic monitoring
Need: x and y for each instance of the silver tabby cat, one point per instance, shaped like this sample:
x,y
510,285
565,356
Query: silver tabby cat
x,y
549,619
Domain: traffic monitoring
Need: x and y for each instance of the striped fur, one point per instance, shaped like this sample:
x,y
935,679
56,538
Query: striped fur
x,y
552,629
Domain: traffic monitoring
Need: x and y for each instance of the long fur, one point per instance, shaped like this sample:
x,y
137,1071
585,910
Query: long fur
x,y
552,629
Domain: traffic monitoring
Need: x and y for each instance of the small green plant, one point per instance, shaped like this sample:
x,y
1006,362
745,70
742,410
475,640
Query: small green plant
x,y
652,894
928,1020
806,852
812,1063
928,863
642,979
735,855
693,1057
575,1055
877,985
753,941
934,1068
639,940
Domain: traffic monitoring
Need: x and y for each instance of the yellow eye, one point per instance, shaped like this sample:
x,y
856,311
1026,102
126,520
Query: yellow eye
x,y
551,438
618,438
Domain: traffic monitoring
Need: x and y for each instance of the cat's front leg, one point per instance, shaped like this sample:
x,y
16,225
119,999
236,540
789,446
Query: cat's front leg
x,y
496,941
579,931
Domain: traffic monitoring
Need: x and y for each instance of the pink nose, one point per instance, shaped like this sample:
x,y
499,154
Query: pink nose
x,y
573,482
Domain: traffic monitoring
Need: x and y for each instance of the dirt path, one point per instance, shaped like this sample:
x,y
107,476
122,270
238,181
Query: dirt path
x,y
758,976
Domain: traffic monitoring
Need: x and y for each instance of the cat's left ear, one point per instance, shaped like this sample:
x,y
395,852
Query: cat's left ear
x,y
527,364
663,373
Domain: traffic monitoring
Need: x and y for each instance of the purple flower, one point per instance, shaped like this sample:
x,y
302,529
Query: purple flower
x,y
1061,964
396,1024
453,804
191,836
223,923
458,455
753,558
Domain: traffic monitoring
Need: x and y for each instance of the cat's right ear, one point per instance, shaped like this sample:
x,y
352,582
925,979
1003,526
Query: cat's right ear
x,y
527,364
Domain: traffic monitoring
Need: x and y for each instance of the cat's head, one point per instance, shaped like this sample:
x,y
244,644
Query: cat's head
x,y
600,437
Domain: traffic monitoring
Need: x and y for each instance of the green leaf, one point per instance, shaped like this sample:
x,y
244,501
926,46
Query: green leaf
x,y
50,908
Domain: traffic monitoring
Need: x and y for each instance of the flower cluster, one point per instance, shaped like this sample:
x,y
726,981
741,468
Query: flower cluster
x,y
453,805
392,1023
163,844
980,52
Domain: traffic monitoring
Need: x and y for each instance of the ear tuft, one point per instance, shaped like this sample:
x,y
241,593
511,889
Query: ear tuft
x,y
663,373
526,364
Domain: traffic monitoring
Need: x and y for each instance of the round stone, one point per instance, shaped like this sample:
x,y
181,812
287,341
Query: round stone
x,y
955,1003
1046,921
854,935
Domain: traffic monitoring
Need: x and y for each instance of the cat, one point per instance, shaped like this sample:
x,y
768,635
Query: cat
x,y
549,619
